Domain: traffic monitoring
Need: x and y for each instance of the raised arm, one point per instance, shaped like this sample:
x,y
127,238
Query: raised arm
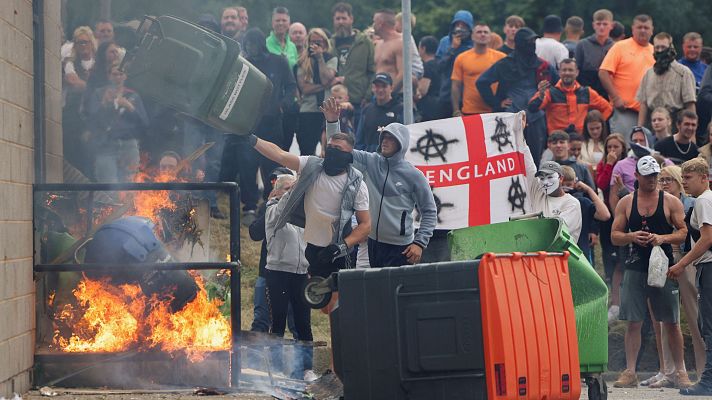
x,y
275,153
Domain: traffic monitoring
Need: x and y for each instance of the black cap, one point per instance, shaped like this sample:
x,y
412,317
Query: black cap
x,y
525,34
552,24
383,77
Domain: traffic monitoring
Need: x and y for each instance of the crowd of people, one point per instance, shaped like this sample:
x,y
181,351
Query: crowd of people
x,y
616,143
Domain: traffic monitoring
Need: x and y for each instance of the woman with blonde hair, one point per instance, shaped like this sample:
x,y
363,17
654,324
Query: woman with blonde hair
x,y
661,122
76,71
316,70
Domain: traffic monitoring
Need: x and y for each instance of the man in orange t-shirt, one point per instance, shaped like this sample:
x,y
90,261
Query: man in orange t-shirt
x,y
622,71
467,68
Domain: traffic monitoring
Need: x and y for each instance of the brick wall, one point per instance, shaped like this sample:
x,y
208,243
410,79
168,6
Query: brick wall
x,y
17,298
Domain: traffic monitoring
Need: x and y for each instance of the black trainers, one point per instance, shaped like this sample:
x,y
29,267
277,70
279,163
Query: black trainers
x,y
696,390
216,213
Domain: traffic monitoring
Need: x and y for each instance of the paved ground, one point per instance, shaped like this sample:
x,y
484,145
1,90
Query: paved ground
x,y
613,394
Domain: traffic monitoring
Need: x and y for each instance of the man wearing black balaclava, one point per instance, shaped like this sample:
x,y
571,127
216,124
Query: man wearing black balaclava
x,y
328,193
238,156
518,76
667,84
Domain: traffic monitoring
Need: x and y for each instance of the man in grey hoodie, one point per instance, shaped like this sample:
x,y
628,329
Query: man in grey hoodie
x,y
395,188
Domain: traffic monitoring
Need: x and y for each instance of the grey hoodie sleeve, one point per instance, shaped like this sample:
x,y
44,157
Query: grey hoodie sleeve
x,y
361,158
428,211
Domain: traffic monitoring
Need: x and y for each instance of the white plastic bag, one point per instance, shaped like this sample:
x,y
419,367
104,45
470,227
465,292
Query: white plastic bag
x,y
657,267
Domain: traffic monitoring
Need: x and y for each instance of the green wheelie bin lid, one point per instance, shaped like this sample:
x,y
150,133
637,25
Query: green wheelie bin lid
x,y
590,293
197,72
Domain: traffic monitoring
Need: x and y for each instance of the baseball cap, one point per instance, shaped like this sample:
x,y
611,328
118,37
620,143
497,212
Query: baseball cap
x,y
647,166
549,167
524,34
280,171
383,77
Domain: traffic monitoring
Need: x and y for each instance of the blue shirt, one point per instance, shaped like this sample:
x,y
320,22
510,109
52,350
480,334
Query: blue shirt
x,y
697,67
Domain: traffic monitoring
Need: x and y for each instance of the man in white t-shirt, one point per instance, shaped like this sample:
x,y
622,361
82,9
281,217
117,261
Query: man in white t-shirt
x,y
695,179
331,191
548,47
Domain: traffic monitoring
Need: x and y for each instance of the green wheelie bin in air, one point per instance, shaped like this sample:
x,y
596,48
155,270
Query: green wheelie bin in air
x,y
197,72
590,293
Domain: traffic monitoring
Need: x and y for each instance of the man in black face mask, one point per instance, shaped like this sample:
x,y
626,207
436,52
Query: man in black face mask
x,y
328,193
238,156
519,75
667,84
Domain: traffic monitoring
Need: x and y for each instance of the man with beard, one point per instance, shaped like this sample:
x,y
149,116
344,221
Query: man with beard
x,y
230,22
519,75
238,156
328,193
396,187
355,54
567,104
667,84
622,70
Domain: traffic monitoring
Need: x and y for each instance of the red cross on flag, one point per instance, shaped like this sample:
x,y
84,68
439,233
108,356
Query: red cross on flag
x,y
473,166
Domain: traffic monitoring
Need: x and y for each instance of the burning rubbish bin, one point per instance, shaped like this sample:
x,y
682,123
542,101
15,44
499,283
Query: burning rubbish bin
x,y
590,293
197,72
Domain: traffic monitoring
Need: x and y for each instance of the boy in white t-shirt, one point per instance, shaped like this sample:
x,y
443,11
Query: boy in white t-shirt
x,y
695,179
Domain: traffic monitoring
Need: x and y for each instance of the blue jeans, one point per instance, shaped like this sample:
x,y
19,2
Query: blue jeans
x,y
116,160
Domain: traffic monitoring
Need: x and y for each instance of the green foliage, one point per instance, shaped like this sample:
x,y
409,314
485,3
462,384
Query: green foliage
x,y
433,15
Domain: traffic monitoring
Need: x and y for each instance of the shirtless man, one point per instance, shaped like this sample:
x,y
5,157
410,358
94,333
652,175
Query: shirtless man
x,y
388,55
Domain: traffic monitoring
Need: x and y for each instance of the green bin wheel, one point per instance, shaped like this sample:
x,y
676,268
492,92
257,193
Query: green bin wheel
x,y
316,292
597,389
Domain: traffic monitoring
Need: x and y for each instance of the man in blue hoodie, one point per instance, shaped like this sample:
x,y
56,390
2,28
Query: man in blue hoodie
x,y
395,188
456,42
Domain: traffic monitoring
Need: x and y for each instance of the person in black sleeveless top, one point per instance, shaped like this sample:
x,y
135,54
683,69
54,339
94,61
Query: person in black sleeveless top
x,y
644,219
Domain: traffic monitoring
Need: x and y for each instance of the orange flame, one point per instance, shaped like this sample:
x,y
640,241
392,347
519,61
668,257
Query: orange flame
x,y
150,203
110,318
197,328
110,321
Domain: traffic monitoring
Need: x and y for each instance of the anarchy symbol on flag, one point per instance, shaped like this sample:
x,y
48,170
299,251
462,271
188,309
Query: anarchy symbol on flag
x,y
473,164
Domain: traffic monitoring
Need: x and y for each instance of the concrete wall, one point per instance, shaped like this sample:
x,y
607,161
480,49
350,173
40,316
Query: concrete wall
x,y
17,296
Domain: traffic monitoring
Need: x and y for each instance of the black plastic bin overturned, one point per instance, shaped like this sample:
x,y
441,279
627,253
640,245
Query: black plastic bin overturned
x,y
410,333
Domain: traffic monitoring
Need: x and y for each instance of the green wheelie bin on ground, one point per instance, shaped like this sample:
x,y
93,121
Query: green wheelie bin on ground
x,y
197,72
590,293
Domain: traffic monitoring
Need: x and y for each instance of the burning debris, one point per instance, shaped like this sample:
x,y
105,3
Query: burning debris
x,y
115,318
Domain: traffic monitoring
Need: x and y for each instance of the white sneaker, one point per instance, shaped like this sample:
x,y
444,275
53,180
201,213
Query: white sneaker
x,y
310,376
613,314
653,379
